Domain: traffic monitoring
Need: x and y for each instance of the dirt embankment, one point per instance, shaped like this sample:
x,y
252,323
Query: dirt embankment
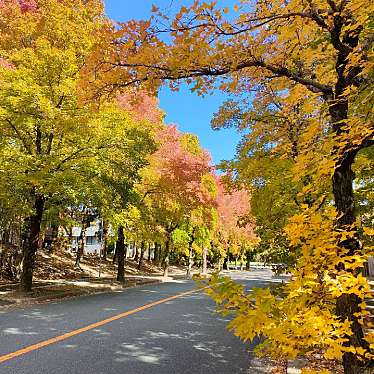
x,y
56,277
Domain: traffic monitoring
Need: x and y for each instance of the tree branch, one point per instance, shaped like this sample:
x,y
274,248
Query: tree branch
x,y
168,74
20,137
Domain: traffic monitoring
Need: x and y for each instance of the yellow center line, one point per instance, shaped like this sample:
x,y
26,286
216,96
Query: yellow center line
x,y
59,338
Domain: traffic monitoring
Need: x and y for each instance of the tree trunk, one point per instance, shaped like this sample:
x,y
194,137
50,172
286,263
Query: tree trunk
x,y
69,232
136,258
155,253
219,263
190,258
142,250
31,244
205,256
80,249
149,252
54,238
225,263
165,262
105,240
120,245
248,260
158,255
347,305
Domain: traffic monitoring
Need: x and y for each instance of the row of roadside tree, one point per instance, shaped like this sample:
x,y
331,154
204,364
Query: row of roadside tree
x,y
65,161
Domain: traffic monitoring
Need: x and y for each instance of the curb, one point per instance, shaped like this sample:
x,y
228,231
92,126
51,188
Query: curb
x,y
22,303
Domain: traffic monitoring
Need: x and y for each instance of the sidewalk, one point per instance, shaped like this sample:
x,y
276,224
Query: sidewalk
x,y
268,366
52,290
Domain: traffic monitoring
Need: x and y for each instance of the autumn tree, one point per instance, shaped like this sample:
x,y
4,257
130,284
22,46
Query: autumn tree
x,y
173,184
121,172
58,151
235,227
263,163
195,235
316,56
44,45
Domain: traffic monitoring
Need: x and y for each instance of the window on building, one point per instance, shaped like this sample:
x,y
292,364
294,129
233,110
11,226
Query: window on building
x,y
91,240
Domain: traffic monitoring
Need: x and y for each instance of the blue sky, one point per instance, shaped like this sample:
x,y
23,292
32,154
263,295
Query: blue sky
x,y
190,112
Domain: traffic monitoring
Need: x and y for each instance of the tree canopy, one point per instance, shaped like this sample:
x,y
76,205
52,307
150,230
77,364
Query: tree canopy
x,y
304,69
82,134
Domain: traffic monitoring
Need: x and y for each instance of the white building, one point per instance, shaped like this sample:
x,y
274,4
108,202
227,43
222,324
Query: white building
x,y
92,242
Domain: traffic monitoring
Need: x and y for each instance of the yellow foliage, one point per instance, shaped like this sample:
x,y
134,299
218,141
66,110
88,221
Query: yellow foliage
x,y
312,71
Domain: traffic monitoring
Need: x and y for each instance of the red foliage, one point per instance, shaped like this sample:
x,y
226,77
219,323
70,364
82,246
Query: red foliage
x,y
234,211
5,64
28,5
180,171
25,5
142,105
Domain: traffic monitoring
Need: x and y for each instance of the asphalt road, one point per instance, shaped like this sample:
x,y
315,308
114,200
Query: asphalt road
x,y
182,335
